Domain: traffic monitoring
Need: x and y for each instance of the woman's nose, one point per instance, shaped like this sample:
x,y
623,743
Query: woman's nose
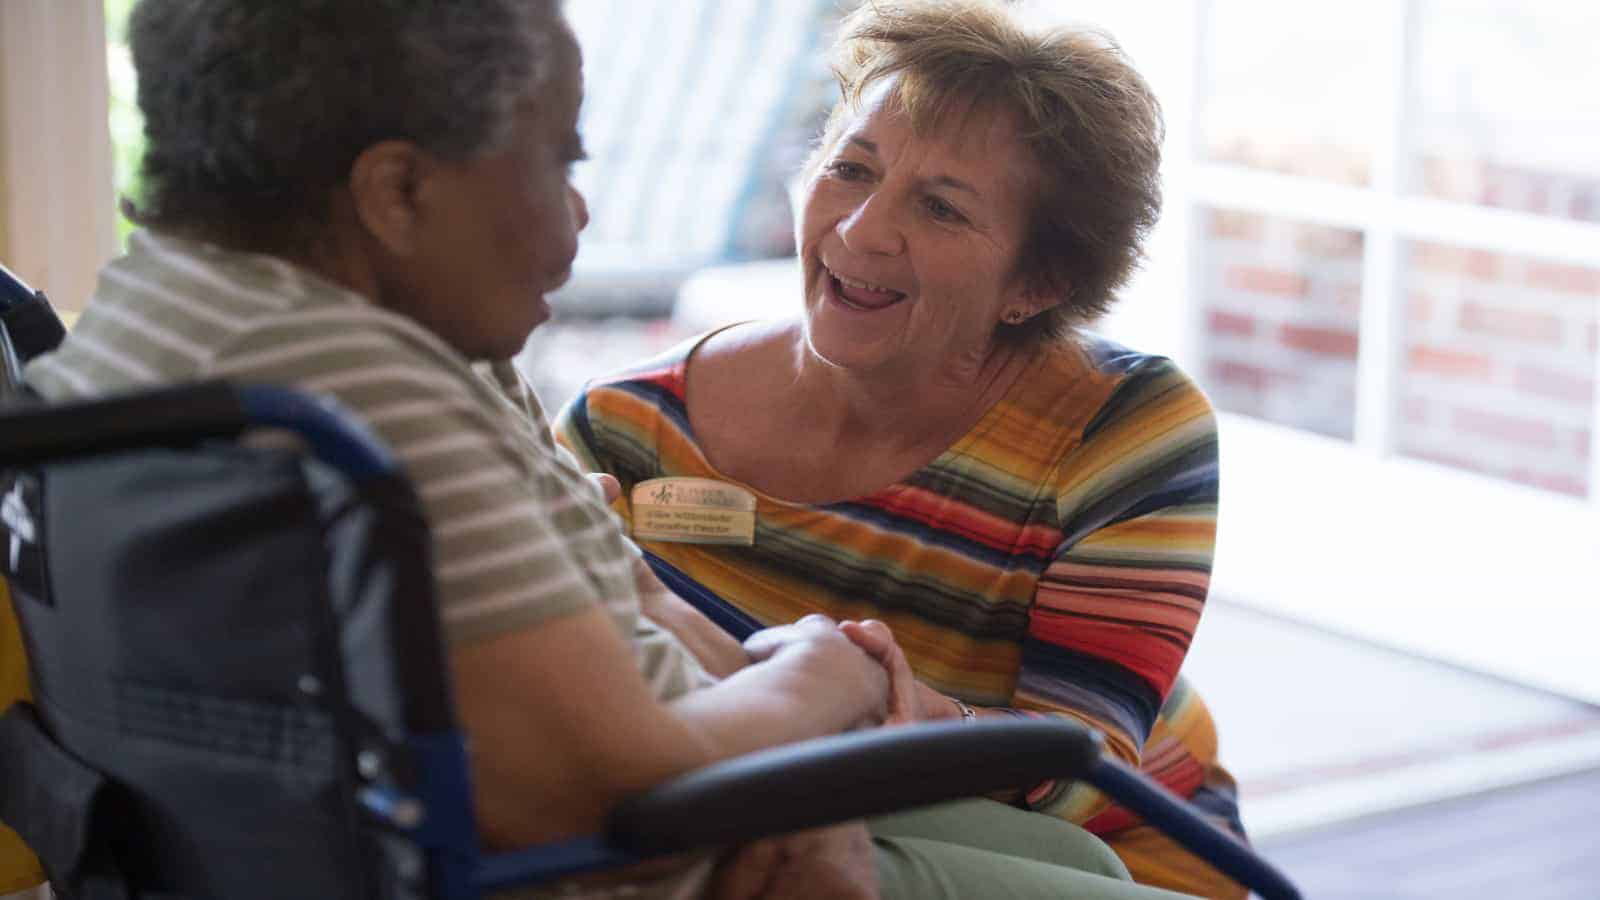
x,y
870,228
579,207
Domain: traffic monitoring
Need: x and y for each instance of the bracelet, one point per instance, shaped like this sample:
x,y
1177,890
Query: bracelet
x,y
967,712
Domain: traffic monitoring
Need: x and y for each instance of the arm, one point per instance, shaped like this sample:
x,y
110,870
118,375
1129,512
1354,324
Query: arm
x,y
1116,609
536,593
550,759
716,650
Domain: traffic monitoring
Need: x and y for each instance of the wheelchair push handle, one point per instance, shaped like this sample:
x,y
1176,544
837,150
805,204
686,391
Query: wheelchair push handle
x,y
185,414
13,290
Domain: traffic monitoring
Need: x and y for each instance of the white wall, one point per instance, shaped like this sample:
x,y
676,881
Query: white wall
x,y
57,206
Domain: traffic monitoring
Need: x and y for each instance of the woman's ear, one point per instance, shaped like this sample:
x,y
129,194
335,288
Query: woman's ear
x,y
1031,304
384,186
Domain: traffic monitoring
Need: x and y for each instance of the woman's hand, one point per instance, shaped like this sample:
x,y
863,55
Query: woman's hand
x,y
832,664
909,699
610,488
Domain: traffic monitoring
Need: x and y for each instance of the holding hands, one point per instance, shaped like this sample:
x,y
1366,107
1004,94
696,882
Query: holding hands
x,y
909,700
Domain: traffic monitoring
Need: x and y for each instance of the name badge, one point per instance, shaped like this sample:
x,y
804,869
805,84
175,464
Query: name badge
x,y
693,511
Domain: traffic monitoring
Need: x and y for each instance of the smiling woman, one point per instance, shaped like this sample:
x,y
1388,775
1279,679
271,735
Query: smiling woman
x,y
932,442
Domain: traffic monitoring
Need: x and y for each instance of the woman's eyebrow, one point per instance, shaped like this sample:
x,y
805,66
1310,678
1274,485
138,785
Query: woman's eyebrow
x,y
940,180
863,143
954,182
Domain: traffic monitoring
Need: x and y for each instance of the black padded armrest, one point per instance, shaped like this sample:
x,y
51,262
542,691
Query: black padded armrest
x,y
32,434
855,776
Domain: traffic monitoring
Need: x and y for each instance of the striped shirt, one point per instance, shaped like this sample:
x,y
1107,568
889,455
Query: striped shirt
x,y
1054,560
520,537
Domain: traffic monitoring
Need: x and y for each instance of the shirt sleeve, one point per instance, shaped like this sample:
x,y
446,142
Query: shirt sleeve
x,y
573,431
1116,608
502,560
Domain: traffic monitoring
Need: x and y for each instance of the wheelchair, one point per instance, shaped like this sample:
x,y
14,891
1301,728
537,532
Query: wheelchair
x,y
240,688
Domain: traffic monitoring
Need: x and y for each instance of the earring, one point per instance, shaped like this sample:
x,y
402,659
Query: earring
x,y
1015,316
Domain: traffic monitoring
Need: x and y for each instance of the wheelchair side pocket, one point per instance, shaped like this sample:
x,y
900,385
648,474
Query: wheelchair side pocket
x,y
50,798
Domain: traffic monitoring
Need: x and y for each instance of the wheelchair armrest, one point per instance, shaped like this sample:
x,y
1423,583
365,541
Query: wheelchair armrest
x,y
809,784
876,772
852,776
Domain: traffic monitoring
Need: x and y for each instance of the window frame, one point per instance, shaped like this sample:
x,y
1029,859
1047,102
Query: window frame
x,y
1384,212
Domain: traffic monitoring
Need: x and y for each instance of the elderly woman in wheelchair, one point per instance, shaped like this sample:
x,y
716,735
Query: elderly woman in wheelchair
x,y
369,202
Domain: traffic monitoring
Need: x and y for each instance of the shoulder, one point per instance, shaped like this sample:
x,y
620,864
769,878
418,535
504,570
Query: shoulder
x,y
1149,442
1143,388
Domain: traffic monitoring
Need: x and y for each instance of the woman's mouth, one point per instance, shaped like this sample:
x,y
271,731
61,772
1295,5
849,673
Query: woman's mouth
x,y
862,295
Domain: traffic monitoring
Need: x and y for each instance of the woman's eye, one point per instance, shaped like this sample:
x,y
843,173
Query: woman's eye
x,y
943,211
848,171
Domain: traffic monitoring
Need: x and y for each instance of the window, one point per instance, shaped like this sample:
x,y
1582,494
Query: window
x,y
1396,240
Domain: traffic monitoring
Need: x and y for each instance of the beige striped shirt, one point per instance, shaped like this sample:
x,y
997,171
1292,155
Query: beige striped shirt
x,y
520,537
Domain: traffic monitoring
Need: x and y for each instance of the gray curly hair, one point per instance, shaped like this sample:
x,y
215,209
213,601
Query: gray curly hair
x,y
255,110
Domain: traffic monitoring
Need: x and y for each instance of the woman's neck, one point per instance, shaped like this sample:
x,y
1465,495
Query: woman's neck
x,y
901,409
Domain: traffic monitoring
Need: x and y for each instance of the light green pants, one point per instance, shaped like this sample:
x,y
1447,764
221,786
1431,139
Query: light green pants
x,y
987,850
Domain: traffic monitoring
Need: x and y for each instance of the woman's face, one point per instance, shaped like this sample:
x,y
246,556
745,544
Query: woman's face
x,y
503,228
909,243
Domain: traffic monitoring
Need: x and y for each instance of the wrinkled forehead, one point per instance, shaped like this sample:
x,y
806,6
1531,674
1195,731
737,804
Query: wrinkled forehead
x,y
964,120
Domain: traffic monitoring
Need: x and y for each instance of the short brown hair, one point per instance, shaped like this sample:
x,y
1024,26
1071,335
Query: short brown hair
x,y
1088,119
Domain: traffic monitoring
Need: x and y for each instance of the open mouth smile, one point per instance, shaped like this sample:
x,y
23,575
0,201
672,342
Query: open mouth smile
x,y
862,295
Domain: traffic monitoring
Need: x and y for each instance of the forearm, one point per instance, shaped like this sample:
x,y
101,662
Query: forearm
x,y
793,695
718,652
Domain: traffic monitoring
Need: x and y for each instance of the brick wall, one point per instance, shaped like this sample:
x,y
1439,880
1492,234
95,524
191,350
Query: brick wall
x,y
1498,370
1282,304
1499,365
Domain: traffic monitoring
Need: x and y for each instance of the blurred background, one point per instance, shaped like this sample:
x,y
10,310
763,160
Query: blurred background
x,y
1380,256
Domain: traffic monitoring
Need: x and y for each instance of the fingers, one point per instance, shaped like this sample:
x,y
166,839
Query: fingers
x,y
766,642
746,873
609,486
905,692
870,635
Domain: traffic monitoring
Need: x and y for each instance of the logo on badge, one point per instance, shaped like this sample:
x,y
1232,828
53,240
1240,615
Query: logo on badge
x,y
693,511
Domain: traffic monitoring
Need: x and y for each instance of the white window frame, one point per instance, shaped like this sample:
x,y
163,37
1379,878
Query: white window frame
x,y
1389,217
1355,536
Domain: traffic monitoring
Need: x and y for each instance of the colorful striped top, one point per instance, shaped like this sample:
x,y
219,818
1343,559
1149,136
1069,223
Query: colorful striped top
x,y
1054,560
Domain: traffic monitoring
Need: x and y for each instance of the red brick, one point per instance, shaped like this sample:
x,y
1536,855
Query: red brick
x,y
1478,264
1454,363
1577,390
1563,278
1419,308
1515,324
1266,280
1322,341
1551,481
1506,428
1466,464
1238,324
1243,375
1329,243
1235,225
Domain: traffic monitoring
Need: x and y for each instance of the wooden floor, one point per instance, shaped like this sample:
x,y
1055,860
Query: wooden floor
x,y
1538,841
